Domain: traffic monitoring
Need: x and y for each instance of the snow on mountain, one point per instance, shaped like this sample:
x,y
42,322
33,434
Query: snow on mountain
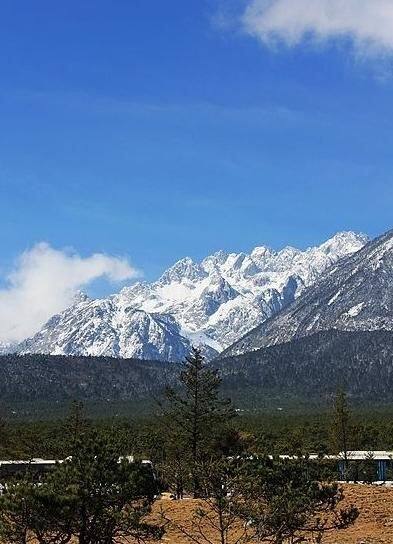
x,y
6,348
212,304
109,327
357,295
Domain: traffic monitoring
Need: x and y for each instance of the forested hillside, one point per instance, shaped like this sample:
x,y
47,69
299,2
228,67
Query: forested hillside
x,y
308,370
312,368
57,378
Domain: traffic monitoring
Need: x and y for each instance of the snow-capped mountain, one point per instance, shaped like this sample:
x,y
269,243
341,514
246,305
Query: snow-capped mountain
x,y
356,295
212,304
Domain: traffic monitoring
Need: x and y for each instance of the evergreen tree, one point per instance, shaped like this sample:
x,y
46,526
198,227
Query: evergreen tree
x,y
3,432
341,424
76,424
283,502
95,496
110,494
195,415
31,513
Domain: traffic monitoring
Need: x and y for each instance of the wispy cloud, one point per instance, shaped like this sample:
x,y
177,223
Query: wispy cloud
x,y
45,280
367,24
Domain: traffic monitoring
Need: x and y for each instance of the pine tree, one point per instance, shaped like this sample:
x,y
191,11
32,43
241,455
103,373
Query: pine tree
x,y
76,424
341,426
3,431
196,414
96,497
282,502
31,513
110,496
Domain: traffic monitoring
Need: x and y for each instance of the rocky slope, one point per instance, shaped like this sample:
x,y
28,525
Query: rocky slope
x,y
356,295
212,304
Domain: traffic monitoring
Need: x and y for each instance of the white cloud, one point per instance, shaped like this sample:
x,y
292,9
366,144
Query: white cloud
x,y
44,282
368,24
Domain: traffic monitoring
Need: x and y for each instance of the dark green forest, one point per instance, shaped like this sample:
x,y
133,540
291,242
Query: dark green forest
x,y
298,377
264,432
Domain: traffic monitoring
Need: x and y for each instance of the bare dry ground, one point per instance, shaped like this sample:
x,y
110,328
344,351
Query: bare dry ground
x,y
374,525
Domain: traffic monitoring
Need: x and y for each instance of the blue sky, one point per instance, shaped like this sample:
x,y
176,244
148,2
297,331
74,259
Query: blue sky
x,y
154,130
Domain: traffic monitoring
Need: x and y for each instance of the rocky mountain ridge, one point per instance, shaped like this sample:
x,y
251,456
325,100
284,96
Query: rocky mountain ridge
x,y
210,303
355,295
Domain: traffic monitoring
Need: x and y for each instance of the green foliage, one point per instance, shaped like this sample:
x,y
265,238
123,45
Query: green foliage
x,y
259,433
197,410
307,371
96,495
196,417
198,446
284,502
297,376
109,497
341,420
29,513
76,425
341,427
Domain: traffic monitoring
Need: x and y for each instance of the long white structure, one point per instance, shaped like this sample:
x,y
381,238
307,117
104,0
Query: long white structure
x,y
383,460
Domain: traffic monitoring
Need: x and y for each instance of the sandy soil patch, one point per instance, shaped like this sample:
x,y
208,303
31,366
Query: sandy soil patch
x,y
374,525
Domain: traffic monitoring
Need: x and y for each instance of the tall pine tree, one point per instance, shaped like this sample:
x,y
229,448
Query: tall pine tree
x,y
196,415
341,426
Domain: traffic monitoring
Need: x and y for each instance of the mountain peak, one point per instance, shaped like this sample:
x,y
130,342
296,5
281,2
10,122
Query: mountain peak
x,y
345,242
184,269
79,297
261,251
212,262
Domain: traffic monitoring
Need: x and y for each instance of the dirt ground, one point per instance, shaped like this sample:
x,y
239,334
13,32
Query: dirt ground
x,y
374,525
